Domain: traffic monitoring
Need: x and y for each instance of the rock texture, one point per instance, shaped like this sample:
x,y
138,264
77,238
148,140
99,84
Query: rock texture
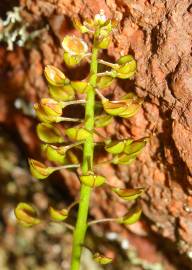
x,y
159,34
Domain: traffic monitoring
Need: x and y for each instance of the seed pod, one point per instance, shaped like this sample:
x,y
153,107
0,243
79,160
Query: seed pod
x,y
132,217
92,180
113,107
77,134
103,120
79,86
58,215
79,26
101,259
26,215
115,147
71,60
135,147
123,159
128,194
49,133
39,170
127,67
54,76
54,153
104,81
72,157
63,93
49,110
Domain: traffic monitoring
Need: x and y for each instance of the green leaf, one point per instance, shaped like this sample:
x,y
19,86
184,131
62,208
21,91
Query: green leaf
x,y
49,133
58,215
101,259
128,194
77,134
54,76
103,120
62,93
132,217
92,180
26,215
39,170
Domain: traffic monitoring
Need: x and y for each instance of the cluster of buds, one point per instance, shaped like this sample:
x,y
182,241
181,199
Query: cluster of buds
x,y
58,143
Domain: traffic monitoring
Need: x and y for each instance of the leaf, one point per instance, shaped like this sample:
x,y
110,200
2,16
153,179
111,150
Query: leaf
x,y
26,215
49,133
58,215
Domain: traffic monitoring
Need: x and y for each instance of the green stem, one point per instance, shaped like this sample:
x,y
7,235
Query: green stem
x,y
87,165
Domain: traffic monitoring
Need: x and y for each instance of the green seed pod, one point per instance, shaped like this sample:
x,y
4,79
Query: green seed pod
x,y
39,170
79,86
92,180
113,107
132,217
63,93
104,81
135,147
103,120
115,147
71,60
101,259
126,67
58,215
72,157
49,133
54,153
77,134
54,76
123,159
128,194
49,110
26,215
79,26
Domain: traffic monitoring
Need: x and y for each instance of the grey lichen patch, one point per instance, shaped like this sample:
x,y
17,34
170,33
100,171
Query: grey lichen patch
x,y
15,31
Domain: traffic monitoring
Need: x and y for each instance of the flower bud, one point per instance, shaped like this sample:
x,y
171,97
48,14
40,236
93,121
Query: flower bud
x,y
63,93
49,133
123,159
100,18
103,43
58,215
79,26
54,76
49,110
103,120
92,180
77,134
54,153
132,217
128,194
39,170
101,259
26,215
104,81
79,86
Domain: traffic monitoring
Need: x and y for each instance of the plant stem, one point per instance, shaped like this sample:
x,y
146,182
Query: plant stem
x,y
101,221
81,224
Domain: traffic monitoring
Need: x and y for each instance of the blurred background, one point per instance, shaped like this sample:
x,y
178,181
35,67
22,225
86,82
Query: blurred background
x,y
158,34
